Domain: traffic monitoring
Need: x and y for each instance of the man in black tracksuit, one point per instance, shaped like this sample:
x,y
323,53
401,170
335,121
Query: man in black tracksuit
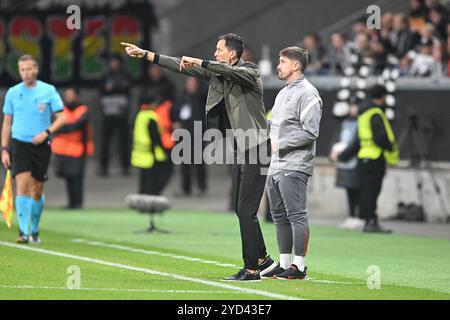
x,y
189,112
115,103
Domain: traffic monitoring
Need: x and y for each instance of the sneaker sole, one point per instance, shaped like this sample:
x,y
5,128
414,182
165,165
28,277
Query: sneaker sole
x,y
305,278
267,277
223,280
268,269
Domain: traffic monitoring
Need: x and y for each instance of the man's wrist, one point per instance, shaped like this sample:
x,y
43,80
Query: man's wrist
x,y
5,149
146,55
49,133
204,63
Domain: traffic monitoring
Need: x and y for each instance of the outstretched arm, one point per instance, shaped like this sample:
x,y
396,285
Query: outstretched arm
x,y
171,63
242,75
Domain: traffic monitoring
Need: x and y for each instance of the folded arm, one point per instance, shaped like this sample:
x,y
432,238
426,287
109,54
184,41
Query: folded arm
x,y
309,122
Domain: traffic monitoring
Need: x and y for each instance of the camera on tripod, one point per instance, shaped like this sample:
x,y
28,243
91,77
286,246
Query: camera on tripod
x,y
417,132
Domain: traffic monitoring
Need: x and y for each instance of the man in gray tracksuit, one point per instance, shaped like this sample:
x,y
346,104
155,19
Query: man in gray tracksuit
x,y
294,128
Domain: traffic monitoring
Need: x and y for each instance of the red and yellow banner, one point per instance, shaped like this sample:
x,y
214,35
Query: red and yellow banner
x,y
69,56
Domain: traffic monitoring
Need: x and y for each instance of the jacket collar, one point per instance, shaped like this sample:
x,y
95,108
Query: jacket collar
x,y
239,63
293,83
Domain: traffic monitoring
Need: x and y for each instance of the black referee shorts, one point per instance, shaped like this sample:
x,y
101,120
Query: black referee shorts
x,y
27,157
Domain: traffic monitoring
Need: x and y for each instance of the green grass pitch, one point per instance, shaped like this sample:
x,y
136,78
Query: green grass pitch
x,y
116,262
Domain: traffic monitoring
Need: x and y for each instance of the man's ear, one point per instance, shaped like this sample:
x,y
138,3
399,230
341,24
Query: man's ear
x,y
233,54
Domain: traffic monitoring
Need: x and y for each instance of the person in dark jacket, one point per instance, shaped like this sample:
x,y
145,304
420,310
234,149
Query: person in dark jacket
x,y
347,172
71,144
234,105
158,84
375,147
115,107
189,112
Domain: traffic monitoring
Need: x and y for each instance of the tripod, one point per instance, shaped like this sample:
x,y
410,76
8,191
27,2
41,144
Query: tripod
x,y
152,227
420,162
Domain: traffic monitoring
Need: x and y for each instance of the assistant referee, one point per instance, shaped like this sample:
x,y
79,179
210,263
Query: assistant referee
x,y
27,110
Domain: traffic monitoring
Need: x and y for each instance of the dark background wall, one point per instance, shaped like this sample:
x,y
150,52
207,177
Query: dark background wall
x,y
195,24
431,107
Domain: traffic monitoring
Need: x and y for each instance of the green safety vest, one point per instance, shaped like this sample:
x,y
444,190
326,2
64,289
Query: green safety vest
x,y
142,155
369,149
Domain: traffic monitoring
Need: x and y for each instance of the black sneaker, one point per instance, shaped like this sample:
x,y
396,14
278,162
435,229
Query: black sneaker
x,y
275,271
373,227
266,266
244,275
292,273
22,239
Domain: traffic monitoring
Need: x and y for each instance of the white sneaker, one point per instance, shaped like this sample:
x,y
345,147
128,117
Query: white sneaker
x,y
352,224
358,223
347,224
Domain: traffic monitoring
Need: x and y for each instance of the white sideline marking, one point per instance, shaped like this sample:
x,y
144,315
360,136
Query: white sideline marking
x,y
114,289
151,252
149,271
332,282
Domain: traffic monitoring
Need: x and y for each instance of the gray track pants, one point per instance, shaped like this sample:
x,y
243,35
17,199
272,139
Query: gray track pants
x,y
287,198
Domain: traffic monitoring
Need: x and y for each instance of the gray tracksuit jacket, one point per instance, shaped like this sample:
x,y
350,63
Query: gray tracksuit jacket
x,y
295,127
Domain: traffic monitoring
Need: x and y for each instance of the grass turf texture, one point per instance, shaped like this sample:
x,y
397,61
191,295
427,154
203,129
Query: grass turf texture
x,y
411,267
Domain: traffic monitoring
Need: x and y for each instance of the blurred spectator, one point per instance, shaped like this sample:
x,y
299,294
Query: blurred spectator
x,y
440,20
364,49
316,53
423,62
190,109
70,145
400,34
447,57
158,84
338,54
359,26
448,30
418,10
387,26
115,103
379,57
435,4
148,153
427,33
347,173
387,22
401,39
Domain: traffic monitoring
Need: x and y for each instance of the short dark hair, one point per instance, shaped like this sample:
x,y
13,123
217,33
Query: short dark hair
x,y
233,42
27,57
377,92
296,53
